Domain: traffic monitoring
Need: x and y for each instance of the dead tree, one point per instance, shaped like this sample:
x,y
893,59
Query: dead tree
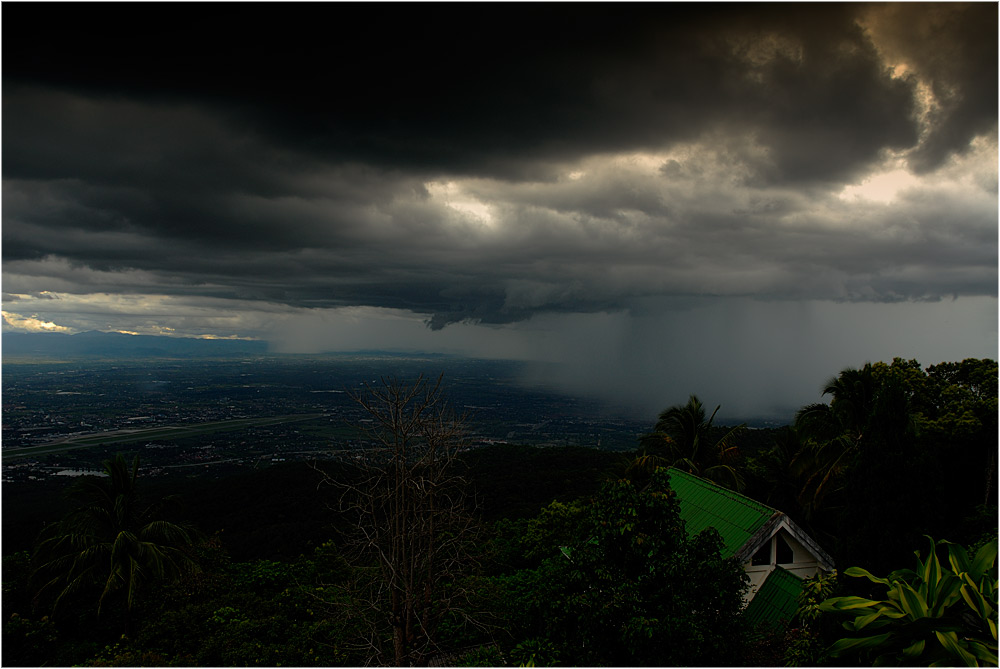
x,y
413,532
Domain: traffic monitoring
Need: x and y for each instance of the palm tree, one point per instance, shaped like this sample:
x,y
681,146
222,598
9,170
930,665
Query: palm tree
x,y
111,541
777,472
683,437
865,408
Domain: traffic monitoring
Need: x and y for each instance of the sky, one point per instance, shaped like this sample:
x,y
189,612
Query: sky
x,y
643,201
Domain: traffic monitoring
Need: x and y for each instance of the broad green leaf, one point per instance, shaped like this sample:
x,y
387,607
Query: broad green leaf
x,y
914,650
893,613
846,603
911,601
907,575
859,572
958,557
917,603
974,599
983,652
985,557
855,644
863,621
871,627
950,642
931,573
948,592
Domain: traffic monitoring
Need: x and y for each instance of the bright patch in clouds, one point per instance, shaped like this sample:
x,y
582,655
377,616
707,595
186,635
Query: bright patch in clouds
x,y
227,337
882,187
645,162
456,197
31,323
199,317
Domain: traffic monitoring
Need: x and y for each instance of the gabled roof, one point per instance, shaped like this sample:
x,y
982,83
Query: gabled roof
x,y
743,523
777,599
737,518
781,521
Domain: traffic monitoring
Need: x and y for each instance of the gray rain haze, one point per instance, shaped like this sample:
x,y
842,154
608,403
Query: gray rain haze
x,y
731,200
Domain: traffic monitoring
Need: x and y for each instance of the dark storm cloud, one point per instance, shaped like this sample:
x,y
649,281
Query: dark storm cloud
x,y
317,157
954,48
488,89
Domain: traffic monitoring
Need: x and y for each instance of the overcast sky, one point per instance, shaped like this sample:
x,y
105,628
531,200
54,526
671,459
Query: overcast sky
x,y
735,201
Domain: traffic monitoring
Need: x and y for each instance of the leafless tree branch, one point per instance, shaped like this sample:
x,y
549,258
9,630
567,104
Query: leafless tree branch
x,y
410,512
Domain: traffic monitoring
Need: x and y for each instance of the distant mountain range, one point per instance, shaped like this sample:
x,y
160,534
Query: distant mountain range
x,y
114,345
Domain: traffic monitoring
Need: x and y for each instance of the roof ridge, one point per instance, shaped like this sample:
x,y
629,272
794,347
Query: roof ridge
x,y
732,494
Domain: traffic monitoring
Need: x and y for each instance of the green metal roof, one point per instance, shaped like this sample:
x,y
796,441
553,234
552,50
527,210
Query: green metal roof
x,y
705,504
776,601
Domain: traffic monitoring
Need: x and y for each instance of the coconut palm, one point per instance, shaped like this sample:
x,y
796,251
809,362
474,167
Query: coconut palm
x,y
777,471
111,542
682,439
865,408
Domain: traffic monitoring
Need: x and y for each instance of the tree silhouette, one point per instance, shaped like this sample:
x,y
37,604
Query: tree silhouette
x,y
778,472
111,542
862,456
868,406
413,533
682,438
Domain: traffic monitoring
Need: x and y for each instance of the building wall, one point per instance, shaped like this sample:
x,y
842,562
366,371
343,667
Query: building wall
x,y
803,564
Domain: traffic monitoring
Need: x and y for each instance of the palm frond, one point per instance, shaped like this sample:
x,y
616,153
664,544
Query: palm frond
x,y
726,448
110,542
727,476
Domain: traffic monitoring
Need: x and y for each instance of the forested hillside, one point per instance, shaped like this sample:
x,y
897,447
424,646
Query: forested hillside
x,y
421,551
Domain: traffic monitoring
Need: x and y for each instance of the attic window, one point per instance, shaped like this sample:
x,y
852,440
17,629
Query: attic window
x,y
783,552
762,556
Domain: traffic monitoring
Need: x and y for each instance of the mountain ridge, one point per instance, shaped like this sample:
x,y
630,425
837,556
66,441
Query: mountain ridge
x,y
95,344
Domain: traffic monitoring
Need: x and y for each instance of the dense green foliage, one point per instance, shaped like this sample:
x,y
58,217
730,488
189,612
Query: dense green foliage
x,y
918,446
937,615
631,588
514,481
804,645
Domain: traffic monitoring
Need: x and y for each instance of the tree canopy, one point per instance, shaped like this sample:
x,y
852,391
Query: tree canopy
x,y
632,589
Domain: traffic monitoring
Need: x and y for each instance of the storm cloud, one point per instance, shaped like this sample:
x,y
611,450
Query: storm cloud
x,y
488,172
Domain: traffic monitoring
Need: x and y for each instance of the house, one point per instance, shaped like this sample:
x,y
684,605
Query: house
x,y
775,552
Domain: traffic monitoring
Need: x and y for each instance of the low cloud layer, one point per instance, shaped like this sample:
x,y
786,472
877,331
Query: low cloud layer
x,y
506,167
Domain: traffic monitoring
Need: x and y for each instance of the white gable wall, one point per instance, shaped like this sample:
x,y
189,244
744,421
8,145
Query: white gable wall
x,y
804,564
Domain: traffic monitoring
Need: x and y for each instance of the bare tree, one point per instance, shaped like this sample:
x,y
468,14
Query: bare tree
x,y
412,530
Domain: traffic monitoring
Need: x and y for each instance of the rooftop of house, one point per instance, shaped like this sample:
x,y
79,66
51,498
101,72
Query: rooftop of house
x,y
736,517
743,524
777,599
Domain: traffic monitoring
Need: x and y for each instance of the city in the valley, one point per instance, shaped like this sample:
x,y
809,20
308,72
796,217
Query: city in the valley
x,y
217,416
